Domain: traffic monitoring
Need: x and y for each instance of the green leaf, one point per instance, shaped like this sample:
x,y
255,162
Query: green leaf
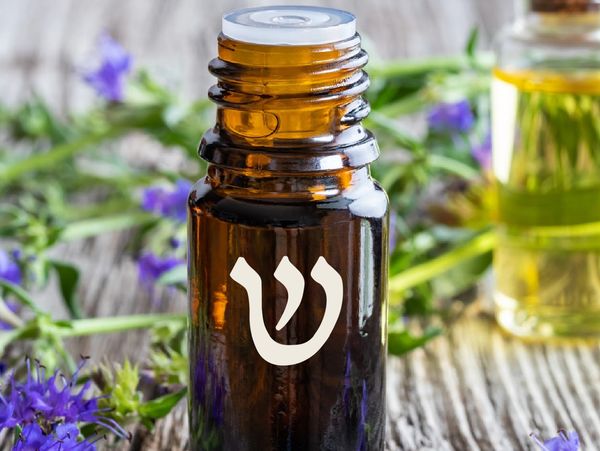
x,y
472,43
21,295
68,279
160,407
402,342
389,178
88,430
176,275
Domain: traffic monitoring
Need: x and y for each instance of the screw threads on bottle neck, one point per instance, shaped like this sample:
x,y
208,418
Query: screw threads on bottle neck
x,y
289,108
288,95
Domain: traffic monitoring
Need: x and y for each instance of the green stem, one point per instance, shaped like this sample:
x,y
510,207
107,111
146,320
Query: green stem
x,y
419,274
407,105
436,63
8,337
109,325
7,316
452,166
113,206
20,295
91,227
49,158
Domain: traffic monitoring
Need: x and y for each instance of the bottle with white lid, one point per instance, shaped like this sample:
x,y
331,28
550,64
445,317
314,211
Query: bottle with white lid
x,y
288,243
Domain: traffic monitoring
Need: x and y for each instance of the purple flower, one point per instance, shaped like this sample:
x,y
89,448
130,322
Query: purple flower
x,y
451,117
347,383
64,437
9,268
32,438
174,242
563,442
49,409
362,431
108,79
200,378
151,267
168,203
482,152
209,386
219,392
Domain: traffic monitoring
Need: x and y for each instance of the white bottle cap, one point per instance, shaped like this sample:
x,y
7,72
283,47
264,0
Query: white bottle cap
x,y
289,25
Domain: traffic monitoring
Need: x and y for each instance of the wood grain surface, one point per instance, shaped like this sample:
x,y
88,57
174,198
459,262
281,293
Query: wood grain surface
x,y
473,389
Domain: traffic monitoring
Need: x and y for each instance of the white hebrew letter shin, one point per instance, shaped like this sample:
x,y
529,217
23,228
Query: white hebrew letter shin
x,y
286,273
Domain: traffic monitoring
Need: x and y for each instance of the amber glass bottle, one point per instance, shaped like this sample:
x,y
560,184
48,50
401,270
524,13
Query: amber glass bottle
x,y
288,243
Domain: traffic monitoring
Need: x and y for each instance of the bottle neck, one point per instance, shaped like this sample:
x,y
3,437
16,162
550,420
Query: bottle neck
x,y
289,109
271,96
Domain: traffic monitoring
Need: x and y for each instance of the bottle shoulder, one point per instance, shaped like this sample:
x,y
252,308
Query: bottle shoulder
x,y
364,200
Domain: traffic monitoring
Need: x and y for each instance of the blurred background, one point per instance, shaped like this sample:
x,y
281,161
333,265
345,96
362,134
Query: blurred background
x,y
41,42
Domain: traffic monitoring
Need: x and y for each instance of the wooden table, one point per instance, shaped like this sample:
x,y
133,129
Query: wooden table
x,y
471,389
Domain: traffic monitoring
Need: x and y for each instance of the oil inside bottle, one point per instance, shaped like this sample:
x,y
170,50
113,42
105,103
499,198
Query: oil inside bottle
x,y
547,166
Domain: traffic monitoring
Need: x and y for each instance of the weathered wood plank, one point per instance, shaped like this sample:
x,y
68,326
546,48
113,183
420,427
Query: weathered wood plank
x,y
478,385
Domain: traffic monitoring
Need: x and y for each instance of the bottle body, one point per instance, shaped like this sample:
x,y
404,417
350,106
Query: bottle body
x,y
546,106
288,244
335,400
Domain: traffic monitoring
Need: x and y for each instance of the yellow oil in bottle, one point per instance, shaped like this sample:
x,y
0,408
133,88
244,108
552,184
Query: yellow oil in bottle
x,y
546,129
